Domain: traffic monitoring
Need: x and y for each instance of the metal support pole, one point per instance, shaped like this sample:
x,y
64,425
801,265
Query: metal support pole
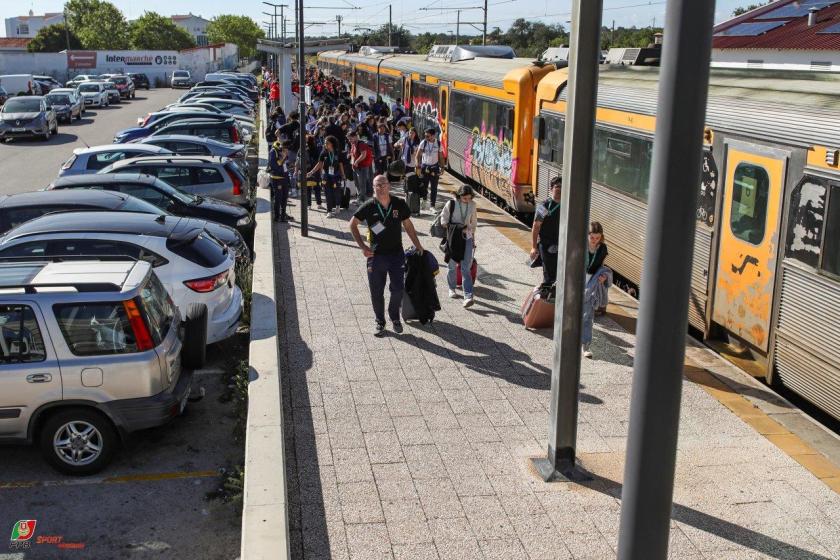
x,y
390,25
584,55
663,313
304,215
457,26
484,33
282,25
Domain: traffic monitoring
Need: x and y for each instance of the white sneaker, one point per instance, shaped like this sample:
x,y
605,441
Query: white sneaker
x,y
453,294
468,301
587,353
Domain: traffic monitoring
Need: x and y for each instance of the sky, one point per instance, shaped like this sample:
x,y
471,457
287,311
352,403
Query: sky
x,y
373,13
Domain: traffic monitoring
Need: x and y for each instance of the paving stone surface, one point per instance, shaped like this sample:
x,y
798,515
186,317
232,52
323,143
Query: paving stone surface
x,y
417,446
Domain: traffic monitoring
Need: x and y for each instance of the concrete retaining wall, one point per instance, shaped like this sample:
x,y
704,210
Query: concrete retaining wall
x,y
265,520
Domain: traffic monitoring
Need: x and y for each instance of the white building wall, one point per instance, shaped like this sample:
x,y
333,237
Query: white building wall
x,y
195,26
777,59
35,23
157,65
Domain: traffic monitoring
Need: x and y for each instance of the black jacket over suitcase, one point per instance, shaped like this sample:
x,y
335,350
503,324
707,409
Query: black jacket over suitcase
x,y
420,287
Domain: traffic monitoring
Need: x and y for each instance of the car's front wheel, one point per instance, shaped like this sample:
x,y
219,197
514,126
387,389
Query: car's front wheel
x,y
46,136
78,441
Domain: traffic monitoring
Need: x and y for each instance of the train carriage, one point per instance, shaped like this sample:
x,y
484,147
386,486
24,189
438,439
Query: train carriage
x,y
481,102
766,256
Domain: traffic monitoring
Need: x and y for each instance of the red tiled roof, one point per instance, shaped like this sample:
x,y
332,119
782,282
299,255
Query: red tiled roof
x,y
793,35
13,42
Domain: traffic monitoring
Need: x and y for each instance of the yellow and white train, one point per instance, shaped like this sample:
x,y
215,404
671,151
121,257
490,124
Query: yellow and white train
x,y
766,269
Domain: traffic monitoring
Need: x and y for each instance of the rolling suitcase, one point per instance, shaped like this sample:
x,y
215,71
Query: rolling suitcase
x,y
538,308
413,200
345,198
413,183
473,273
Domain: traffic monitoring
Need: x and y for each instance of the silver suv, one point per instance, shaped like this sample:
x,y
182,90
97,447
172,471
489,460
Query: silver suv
x,y
89,352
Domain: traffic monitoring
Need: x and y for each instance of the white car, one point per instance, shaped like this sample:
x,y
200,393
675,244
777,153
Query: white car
x,y
192,265
94,93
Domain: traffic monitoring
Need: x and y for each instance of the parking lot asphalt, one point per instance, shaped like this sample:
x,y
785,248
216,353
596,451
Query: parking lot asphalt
x,y
152,501
27,165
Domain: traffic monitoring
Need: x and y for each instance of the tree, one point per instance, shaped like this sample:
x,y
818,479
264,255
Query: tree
x,y
99,25
152,31
53,38
241,30
740,11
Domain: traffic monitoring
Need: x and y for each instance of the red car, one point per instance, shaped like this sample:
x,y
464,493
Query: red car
x,y
125,86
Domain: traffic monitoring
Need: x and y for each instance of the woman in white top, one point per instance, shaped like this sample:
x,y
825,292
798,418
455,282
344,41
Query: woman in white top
x,y
462,212
427,161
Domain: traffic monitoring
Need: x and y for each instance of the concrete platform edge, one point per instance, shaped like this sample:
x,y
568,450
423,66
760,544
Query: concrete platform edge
x,y
265,518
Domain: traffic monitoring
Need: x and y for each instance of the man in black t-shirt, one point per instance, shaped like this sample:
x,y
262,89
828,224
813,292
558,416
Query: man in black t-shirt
x,y
385,216
545,231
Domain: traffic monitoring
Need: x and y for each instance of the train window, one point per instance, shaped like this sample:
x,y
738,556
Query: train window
x,y
477,113
551,147
807,213
831,247
390,88
750,190
622,162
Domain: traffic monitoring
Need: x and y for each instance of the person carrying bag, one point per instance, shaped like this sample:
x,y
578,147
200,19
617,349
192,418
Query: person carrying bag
x,y
460,219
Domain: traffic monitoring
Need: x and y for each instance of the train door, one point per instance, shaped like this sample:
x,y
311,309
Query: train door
x,y
749,241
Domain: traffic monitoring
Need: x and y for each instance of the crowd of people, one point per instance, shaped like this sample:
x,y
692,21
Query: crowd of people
x,y
368,141
346,138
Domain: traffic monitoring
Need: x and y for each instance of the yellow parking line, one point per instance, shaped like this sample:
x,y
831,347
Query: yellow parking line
x,y
150,477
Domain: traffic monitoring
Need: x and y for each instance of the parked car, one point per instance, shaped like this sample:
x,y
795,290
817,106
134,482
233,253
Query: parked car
x,y
125,86
20,84
81,78
183,145
246,85
135,133
181,78
93,350
231,106
216,93
206,176
24,116
95,158
246,121
223,131
66,105
140,80
17,209
114,95
4,95
74,91
49,81
94,93
192,265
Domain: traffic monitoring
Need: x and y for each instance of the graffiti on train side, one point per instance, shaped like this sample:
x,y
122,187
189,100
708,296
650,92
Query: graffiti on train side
x,y
489,159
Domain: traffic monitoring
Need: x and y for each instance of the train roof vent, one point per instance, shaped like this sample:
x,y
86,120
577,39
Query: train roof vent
x,y
371,50
457,53
555,54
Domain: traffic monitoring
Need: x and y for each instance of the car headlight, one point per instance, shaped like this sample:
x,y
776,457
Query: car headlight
x,y
244,221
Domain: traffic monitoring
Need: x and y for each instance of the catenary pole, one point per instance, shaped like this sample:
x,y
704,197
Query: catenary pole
x,y
457,26
304,215
663,315
484,32
390,25
584,55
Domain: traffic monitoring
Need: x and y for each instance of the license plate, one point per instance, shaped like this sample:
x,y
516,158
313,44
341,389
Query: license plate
x,y
88,102
18,130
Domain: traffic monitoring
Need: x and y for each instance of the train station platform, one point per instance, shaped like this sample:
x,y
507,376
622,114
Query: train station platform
x,y
417,446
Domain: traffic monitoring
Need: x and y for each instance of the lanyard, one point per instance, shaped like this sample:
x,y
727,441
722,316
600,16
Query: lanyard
x,y
385,213
552,210
331,157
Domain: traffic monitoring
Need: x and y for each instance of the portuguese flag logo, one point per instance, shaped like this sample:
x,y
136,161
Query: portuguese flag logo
x,y
23,530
